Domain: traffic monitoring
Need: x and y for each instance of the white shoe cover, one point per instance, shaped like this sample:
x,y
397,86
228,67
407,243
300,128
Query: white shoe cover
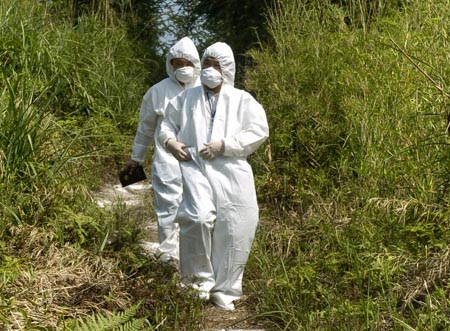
x,y
219,301
203,295
169,249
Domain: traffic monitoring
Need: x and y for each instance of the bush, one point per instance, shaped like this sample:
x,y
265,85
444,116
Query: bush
x,y
355,165
67,93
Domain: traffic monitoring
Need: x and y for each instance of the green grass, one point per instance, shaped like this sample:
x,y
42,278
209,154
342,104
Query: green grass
x,y
358,154
353,182
69,96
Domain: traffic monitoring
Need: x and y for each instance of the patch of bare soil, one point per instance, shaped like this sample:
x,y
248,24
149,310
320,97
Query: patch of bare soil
x,y
242,318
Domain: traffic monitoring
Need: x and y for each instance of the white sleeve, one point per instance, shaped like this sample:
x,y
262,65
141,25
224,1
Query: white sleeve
x,y
170,126
253,132
146,129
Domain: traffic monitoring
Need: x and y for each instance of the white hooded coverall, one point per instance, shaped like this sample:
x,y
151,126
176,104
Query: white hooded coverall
x,y
166,174
219,213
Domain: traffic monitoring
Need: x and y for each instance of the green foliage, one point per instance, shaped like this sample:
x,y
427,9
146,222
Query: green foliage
x,y
66,93
140,17
335,110
10,268
355,174
357,162
119,321
209,21
69,92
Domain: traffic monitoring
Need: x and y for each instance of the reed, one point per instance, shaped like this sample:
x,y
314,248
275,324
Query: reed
x,y
70,88
357,166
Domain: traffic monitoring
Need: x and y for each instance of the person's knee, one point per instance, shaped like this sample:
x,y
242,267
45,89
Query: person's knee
x,y
206,221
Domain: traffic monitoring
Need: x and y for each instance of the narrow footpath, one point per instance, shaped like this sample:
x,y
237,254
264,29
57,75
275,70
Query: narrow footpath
x,y
241,319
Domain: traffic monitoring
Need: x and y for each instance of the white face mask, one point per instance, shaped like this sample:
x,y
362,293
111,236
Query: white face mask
x,y
210,77
184,74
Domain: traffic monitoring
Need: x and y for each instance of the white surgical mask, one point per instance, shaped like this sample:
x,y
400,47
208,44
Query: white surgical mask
x,y
184,74
210,77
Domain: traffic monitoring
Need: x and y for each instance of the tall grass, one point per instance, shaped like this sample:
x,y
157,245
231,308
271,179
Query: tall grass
x,y
69,95
358,163
70,87
66,93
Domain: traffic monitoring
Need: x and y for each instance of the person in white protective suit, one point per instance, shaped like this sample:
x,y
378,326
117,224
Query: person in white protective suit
x,y
211,129
183,68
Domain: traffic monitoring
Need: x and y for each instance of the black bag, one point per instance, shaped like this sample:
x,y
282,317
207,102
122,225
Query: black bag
x,y
126,178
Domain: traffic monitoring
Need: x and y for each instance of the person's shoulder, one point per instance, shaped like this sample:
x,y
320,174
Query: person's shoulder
x,y
238,92
193,91
162,84
160,89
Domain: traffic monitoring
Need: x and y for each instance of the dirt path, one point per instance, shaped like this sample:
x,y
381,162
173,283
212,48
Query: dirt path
x,y
241,319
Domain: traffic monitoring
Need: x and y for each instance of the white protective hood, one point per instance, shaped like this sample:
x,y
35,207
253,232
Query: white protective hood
x,y
184,49
224,54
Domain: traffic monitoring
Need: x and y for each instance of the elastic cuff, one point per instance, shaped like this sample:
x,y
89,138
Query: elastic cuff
x,y
167,141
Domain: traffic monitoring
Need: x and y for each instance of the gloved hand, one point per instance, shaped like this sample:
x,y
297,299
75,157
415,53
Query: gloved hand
x,y
177,150
212,150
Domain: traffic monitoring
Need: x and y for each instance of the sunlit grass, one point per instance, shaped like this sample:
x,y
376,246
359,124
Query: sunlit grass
x,y
357,163
353,181
67,91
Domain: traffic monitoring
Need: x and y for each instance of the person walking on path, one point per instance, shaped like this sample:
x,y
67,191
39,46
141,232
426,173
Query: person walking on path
x,y
183,68
212,129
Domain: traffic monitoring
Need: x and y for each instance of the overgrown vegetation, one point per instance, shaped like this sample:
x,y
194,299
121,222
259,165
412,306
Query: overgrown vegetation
x,y
353,181
357,160
69,95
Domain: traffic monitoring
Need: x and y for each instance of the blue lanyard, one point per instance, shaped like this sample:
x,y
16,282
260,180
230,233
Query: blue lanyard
x,y
213,111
